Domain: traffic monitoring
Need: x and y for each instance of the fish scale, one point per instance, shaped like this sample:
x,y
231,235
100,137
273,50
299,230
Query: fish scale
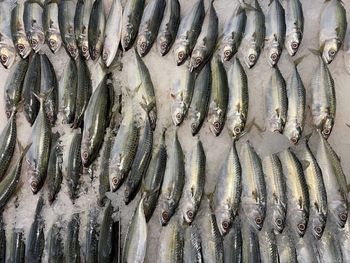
x,y
251,248
268,247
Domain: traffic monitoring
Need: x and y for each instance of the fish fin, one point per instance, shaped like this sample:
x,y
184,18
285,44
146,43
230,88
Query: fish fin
x,y
246,6
43,97
210,198
316,52
299,59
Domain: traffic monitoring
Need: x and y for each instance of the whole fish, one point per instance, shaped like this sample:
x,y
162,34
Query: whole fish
x,y
317,193
294,26
132,15
36,240
134,249
55,244
254,188
297,190
49,85
31,85
328,249
194,183
286,248
332,29
54,169
334,181
323,99
238,99
39,152
96,31
277,187
169,26
113,32
17,249
206,40
140,164
91,238
228,189
7,48
66,13
254,34
74,166
123,150
250,241
95,122
171,245
145,90
174,179
33,24
18,31
81,26
345,242
70,83
218,98
296,107
72,245
276,102
51,26
150,22
233,33
268,247
233,243
188,32
153,179
192,245
13,86
200,100
9,183
181,94
275,31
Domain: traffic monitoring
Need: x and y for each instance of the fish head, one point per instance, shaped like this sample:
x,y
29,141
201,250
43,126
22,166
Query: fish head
x,y
292,42
330,49
37,41
237,126
301,222
178,112
23,47
293,132
227,53
279,216
127,37
106,57
181,53
224,220
164,41
72,49
197,59
85,149
143,44
340,213
34,182
189,212
327,127
115,181
165,214
276,125
256,217
216,124
54,42
251,57
84,48
7,56
318,226
273,55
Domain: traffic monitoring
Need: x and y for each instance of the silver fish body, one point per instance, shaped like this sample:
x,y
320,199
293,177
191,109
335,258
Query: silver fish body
x,y
192,246
74,166
17,249
7,48
233,244
251,247
72,244
51,26
345,242
70,83
268,247
328,249
294,26
96,31
286,248
305,251
55,244
33,24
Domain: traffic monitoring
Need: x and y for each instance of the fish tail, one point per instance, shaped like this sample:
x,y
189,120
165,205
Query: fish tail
x,y
43,97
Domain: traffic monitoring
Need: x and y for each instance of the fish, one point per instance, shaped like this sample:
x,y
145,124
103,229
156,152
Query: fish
x,y
233,243
140,164
113,32
294,26
91,238
70,83
323,106
286,248
188,32
2,240
305,251
332,29
228,189
66,14
317,193
153,179
51,26
192,251
206,41
95,122
268,247
276,185
49,84
123,150
296,107
36,240
81,26
194,183
13,86
39,152
181,95
54,169
328,249
238,101
17,248
344,241
200,99
171,245
132,16
253,187
335,182
276,102
9,183
254,34
96,31
18,32
33,24
251,247
297,191
150,23
233,33
275,31
134,249
347,51
174,179
55,244
218,98
72,244
31,85
169,26
7,48
74,166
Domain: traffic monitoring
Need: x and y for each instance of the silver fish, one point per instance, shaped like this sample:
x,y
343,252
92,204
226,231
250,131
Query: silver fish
x,y
33,12
251,248
70,83
328,249
268,247
305,251
347,51
7,49
51,27
192,247
286,248
345,242
96,32
294,25
233,243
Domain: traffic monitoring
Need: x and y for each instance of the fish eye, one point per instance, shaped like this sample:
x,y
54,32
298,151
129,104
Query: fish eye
x,y
326,131
165,216
301,227
227,53
178,116
20,47
34,42
274,56
84,49
189,214
294,140
295,45
104,55
34,185
279,221
198,61
343,217
225,225
217,125
193,126
52,42
252,57
331,52
115,181
181,55
258,220
3,58
318,230
237,130
85,155
8,114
